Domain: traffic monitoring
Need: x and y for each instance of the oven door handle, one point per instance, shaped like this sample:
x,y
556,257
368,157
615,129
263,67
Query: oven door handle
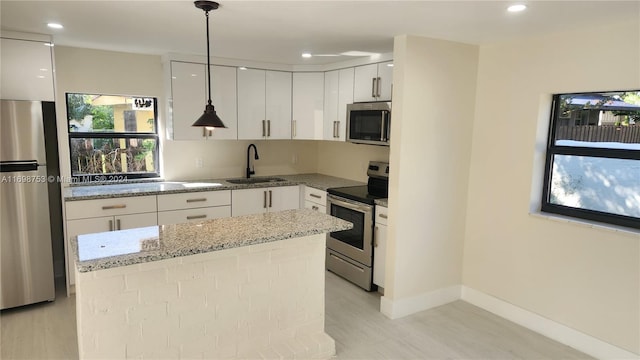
x,y
351,206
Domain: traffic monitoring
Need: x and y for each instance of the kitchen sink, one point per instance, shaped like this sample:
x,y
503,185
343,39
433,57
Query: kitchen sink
x,y
257,180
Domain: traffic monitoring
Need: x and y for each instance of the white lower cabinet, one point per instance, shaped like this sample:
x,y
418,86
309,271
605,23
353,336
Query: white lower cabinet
x,y
262,200
380,246
315,199
193,206
102,224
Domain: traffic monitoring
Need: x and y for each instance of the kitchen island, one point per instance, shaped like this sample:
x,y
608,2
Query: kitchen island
x,y
243,287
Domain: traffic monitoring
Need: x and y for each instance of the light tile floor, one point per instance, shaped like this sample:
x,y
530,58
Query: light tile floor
x,y
453,331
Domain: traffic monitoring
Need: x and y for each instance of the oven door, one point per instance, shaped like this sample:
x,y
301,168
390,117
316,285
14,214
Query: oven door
x,y
355,243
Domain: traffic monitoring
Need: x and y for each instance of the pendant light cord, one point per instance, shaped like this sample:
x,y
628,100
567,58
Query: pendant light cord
x,y
208,60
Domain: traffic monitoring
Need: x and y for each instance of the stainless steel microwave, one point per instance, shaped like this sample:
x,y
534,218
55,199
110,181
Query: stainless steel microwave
x,y
369,123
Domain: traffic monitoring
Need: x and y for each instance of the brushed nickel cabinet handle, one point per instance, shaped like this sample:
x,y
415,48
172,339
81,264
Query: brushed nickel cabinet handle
x,y
264,203
111,207
192,217
384,216
204,132
196,200
337,129
295,130
373,87
378,87
268,128
315,208
118,227
264,128
110,225
270,199
210,132
315,196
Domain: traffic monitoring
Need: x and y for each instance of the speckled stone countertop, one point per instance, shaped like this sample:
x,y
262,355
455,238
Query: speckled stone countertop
x,y
87,192
127,247
382,202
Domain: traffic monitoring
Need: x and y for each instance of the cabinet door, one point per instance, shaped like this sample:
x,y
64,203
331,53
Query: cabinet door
x,y
251,104
308,106
188,91
316,207
363,89
225,100
284,198
26,68
80,227
249,201
331,86
123,222
379,254
278,104
345,97
385,73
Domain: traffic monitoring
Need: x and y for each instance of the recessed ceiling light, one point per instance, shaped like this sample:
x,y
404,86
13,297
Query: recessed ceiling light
x,y
55,25
516,8
242,68
48,44
43,69
390,65
306,55
40,77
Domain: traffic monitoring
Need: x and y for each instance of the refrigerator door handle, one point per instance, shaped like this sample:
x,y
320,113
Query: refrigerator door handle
x,y
19,165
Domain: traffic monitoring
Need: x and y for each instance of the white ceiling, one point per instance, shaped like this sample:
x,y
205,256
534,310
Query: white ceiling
x,y
279,31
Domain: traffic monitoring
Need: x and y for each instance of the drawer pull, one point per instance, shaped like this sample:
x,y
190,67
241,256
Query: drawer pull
x,y
315,196
315,208
110,225
196,200
193,217
384,216
111,207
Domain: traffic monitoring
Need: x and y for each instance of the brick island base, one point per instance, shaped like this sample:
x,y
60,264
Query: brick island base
x,y
257,301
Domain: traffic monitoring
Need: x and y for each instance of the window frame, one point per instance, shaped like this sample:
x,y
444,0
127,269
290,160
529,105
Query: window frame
x,y
116,135
553,149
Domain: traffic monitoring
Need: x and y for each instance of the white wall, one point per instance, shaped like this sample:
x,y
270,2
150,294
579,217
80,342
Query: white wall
x,y
434,94
585,278
347,160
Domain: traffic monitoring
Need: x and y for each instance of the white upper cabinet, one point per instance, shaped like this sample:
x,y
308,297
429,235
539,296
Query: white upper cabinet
x,y
27,70
338,92
308,106
225,100
264,104
373,82
189,93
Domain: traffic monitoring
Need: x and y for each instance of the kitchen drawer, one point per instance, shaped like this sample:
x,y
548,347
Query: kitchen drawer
x,y
314,206
381,215
192,200
199,214
83,209
315,195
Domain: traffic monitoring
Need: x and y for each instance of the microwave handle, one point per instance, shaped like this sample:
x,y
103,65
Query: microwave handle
x,y
383,126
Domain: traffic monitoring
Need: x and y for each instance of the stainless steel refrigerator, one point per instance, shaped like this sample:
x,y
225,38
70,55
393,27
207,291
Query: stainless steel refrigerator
x,y
25,225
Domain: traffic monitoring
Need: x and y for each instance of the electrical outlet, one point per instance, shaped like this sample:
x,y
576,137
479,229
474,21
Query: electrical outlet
x,y
199,163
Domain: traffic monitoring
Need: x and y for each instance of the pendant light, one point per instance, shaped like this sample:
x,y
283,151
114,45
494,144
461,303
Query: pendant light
x,y
209,118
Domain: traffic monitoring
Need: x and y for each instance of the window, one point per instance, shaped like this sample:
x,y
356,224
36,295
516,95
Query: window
x,y
112,137
593,157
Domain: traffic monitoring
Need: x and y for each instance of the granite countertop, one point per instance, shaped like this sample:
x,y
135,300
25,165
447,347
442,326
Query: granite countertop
x,y
87,192
382,202
127,247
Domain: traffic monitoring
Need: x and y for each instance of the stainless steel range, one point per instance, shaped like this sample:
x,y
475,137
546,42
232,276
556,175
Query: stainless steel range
x,y
350,252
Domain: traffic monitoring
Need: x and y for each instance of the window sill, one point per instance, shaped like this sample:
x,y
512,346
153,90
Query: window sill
x,y
620,230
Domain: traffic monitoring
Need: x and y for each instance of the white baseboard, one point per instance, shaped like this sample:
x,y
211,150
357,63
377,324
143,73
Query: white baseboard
x,y
407,306
549,328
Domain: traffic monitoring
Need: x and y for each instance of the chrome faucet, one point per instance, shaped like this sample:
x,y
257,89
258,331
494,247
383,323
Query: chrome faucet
x,y
255,150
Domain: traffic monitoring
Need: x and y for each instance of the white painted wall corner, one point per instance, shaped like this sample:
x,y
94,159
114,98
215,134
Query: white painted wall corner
x,y
395,309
